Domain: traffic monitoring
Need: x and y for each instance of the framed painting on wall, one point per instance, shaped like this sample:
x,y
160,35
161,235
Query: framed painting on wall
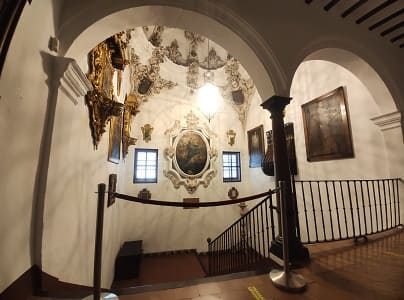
x,y
327,128
115,137
256,146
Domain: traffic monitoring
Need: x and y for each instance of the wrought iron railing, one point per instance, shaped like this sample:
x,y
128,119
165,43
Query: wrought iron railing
x,y
245,243
330,210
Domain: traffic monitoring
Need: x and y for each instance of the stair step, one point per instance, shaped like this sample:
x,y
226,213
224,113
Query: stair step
x,y
179,284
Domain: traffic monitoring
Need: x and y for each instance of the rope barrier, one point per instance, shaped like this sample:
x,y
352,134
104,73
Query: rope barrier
x,y
202,204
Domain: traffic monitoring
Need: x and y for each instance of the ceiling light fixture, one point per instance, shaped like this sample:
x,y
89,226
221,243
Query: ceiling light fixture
x,y
208,95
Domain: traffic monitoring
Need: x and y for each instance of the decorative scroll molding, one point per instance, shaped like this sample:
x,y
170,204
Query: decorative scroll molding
x,y
130,109
146,79
212,61
388,121
101,110
190,154
74,83
238,89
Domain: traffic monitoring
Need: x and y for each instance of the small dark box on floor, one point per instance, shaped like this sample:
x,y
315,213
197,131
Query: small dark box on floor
x,y
127,263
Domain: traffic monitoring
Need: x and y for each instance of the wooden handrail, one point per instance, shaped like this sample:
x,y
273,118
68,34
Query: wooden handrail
x,y
203,204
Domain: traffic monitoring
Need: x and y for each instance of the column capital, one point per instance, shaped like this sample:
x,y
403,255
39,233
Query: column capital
x,y
276,103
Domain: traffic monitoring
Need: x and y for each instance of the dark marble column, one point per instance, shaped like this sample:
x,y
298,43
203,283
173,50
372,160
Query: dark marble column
x,y
297,252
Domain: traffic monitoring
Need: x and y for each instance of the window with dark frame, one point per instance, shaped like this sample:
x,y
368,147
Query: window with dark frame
x,y
231,166
145,170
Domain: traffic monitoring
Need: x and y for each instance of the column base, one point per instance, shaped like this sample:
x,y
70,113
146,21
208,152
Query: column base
x,y
297,252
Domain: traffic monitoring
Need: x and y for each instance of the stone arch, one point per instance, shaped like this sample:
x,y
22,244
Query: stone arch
x,y
360,62
86,27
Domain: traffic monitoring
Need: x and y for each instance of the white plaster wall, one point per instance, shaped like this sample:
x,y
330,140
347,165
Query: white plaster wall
x,y
395,148
315,78
23,99
166,228
75,169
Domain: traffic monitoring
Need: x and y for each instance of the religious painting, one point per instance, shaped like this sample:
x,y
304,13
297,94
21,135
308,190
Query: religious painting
x,y
290,147
147,130
268,166
256,146
191,153
111,189
327,128
115,137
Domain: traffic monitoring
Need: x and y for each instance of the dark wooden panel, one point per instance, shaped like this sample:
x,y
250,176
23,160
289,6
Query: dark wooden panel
x,y
387,19
353,8
392,28
331,4
375,11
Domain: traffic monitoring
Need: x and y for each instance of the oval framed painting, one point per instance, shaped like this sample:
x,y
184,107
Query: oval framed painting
x,y
191,157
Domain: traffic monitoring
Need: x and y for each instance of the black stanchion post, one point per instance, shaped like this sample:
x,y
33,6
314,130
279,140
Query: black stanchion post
x,y
98,241
98,249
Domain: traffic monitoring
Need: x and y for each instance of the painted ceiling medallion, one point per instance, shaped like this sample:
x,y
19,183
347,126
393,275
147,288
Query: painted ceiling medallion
x,y
190,154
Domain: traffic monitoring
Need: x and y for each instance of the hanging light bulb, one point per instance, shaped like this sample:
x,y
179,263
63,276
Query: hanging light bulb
x,y
208,95
208,99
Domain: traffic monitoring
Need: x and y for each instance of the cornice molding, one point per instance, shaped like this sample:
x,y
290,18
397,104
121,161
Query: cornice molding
x,y
388,121
74,83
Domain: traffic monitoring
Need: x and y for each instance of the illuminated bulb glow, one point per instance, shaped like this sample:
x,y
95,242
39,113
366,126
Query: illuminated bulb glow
x,y
209,99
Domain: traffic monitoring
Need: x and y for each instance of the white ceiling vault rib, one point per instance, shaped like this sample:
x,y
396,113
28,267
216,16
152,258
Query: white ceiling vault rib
x,y
382,17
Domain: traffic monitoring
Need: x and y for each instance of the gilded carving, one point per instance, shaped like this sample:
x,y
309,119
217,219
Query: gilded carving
x,y
103,60
130,109
101,110
101,70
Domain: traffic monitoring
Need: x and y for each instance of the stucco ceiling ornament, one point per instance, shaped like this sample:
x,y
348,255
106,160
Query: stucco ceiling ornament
x,y
146,79
238,89
193,42
187,51
190,154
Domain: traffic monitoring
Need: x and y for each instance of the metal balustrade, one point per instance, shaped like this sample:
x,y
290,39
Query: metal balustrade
x,y
245,244
330,210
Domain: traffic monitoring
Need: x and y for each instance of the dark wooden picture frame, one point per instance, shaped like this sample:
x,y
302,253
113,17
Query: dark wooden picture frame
x,y
327,127
115,138
256,146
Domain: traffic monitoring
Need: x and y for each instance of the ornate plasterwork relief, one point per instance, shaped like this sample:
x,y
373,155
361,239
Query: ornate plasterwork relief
x,y
148,73
190,154
190,51
238,90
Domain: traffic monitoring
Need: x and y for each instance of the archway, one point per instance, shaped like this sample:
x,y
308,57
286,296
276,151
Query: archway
x,y
86,28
